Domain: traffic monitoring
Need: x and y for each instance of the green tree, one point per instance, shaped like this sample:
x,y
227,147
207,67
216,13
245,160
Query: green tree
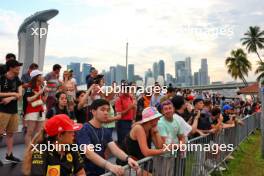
x,y
238,65
254,40
260,71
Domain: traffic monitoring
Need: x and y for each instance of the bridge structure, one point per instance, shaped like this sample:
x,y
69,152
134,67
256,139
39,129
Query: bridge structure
x,y
218,86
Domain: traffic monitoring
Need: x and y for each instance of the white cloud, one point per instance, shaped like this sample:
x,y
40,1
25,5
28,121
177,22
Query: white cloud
x,y
155,30
9,23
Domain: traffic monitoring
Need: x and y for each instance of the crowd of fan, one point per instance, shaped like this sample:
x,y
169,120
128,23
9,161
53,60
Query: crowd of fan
x,y
52,106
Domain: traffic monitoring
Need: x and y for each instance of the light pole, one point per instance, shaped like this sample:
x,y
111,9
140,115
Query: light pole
x,y
261,85
126,59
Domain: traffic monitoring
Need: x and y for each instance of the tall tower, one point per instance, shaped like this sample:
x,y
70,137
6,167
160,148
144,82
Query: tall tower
x,y
161,67
155,70
188,68
204,72
32,35
131,72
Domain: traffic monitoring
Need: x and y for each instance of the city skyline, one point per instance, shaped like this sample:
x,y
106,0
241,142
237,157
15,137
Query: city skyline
x,y
159,29
185,76
183,73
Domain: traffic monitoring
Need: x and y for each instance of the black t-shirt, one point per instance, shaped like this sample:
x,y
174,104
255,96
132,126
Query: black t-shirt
x,y
89,81
80,114
226,117
186,115
56,110
51,163
2,69
204,123
7,85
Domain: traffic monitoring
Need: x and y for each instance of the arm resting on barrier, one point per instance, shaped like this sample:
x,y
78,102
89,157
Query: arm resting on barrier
x,y
99,161
225,125
139,134
116,151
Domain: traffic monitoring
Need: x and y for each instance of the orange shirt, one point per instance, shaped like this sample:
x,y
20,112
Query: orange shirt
x,y
146,101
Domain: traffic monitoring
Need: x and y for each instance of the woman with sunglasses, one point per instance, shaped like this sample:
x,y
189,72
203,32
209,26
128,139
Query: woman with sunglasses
x,y
137,143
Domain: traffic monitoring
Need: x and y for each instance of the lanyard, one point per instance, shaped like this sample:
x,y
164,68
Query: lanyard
x,y
97,138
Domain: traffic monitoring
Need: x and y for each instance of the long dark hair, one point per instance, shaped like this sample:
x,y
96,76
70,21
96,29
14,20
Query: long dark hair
x,y
33,82
40,138
58,95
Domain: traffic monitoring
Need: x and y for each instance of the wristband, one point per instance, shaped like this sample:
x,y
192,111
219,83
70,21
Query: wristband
x,y
127,158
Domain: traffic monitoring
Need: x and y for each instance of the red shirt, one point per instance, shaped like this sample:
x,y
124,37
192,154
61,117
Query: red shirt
x,y
31,109
122,104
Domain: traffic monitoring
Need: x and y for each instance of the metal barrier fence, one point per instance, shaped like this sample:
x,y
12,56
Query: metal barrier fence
x,y
197,161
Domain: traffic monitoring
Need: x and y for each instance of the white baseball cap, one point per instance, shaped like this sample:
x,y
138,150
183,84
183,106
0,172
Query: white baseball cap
x,y
35,73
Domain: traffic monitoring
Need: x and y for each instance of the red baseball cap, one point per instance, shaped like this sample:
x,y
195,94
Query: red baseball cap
x,y
60,123
190,98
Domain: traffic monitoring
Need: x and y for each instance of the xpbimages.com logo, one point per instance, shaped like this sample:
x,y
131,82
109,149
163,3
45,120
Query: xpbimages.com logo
x,y
65,147
210,147
132,89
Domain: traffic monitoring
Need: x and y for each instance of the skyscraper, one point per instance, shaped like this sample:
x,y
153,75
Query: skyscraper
x,y
76,71
155,70
160,80
131,72
180,72
188,68
161,67
112,71
120,74
204,72
188,64
196,78
106,77
148,74
85,71
169,79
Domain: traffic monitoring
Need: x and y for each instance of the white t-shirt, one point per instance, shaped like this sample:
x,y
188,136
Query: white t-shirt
x,y
186,128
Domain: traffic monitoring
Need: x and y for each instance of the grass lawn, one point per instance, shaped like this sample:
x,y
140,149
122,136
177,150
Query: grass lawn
x,y
247,161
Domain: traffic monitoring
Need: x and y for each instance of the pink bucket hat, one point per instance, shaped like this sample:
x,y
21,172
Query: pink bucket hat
x,y
150,113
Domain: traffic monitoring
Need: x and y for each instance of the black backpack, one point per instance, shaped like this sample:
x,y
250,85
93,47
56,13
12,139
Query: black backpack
x,y
28,93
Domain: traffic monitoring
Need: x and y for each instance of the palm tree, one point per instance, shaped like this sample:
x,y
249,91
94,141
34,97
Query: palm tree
x,y
260,71
238,65
254,40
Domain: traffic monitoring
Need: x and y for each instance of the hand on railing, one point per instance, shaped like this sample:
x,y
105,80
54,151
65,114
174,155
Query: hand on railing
x,y
132,163
117,170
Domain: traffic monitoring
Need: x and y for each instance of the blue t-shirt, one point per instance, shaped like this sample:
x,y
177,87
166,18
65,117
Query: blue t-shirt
x,y
99,138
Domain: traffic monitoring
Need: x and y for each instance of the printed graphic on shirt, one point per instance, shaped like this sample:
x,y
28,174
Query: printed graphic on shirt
x,y
53,170
69,157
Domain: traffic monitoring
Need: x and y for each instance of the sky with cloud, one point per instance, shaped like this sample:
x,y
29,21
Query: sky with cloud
x,y
96,32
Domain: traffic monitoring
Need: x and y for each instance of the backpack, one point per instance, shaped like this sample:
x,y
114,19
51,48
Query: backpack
x,y
28,93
